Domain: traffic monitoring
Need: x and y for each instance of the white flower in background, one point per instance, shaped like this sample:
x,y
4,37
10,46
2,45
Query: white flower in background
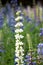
x,y
19,24
19,18
18,12
18,30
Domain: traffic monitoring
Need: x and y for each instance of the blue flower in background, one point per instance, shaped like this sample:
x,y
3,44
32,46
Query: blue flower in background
x,y
21,14
37,23
1,50
28,19
3,10
8,7
14,4
40,48
40,45
14,1
1,20
1,24
27,58
11,22
41,29
12,29
41,32
10,18
34,63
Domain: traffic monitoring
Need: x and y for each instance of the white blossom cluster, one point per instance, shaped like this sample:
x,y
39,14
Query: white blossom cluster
x,y
19,51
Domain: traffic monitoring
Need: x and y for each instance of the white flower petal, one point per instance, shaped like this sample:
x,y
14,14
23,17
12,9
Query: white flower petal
x,y
16,60
20,43
21,36
18,18
18,12
17,54
17,36
18,30
19,24
17,44
17,51
17,41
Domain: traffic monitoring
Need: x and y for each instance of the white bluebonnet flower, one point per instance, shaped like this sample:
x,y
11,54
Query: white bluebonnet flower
x,y
19,51
40,49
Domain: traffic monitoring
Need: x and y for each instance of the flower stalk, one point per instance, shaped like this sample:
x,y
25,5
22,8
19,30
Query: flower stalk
x,y
19,51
